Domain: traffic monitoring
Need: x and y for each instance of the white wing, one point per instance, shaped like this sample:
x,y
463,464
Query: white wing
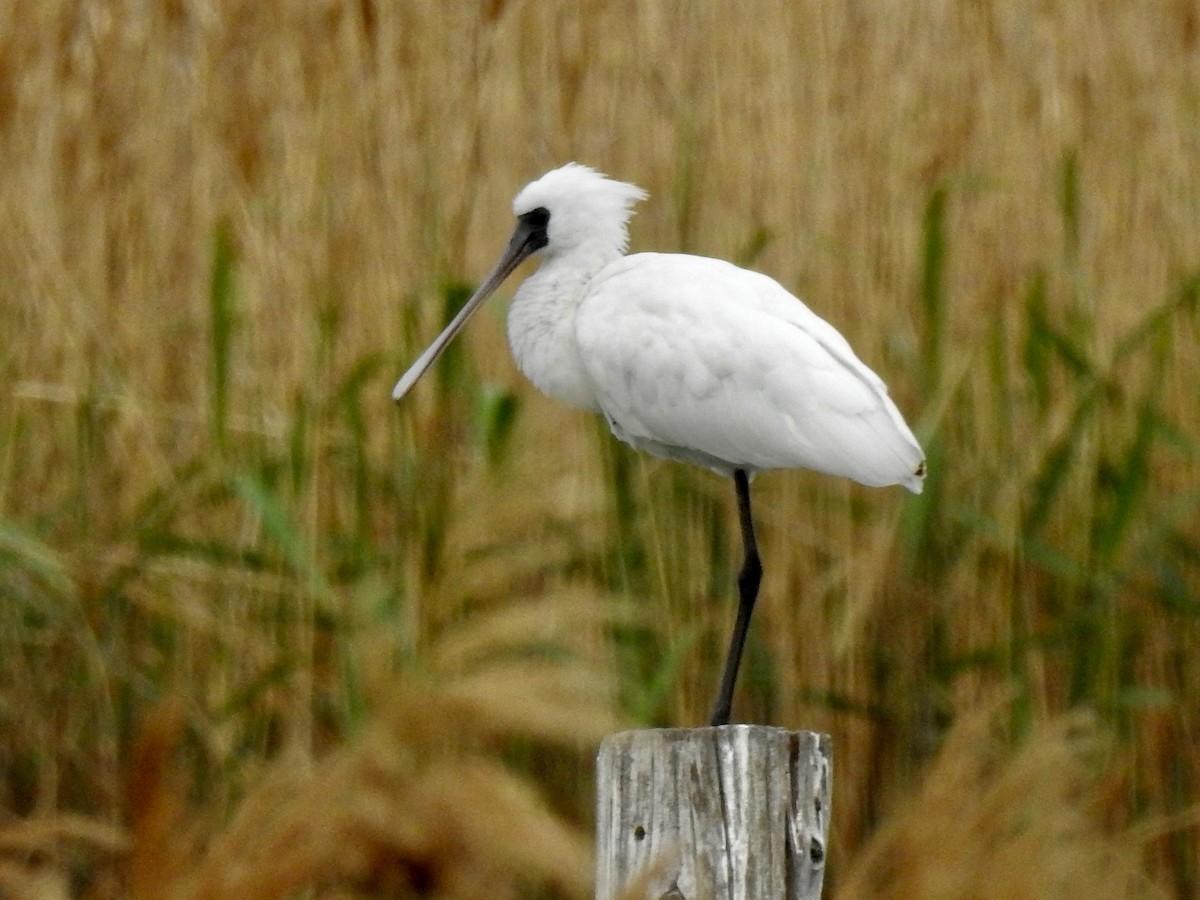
x,y
696,359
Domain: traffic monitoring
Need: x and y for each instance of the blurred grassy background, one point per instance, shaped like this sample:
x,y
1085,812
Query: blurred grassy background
x,y
256,623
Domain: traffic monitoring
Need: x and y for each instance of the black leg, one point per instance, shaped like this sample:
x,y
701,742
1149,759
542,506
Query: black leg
x,y
748,581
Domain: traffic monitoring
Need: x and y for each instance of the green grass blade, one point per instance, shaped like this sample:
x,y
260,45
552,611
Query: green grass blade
x,y
280,528
222,325
933,300
495,418
1070,202
22,550
1056,467
1127,486
452,366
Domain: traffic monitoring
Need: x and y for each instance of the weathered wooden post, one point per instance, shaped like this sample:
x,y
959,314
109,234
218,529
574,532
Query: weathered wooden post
x,y
735,812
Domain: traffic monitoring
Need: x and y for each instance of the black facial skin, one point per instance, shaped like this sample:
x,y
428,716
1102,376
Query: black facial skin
x,y
532,228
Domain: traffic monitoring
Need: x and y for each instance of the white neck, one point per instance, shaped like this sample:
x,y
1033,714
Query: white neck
x,y
541,325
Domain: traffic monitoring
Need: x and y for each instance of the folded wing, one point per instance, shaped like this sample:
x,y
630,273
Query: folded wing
x,y
696,359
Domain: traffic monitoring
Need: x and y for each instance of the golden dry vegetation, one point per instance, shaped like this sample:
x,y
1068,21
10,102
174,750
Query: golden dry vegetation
x,y
262,634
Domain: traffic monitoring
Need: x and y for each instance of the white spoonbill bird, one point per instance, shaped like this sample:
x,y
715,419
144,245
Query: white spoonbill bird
x,y
687,358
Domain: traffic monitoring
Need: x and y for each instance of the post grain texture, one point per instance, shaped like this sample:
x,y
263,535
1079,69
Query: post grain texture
x,y
735,812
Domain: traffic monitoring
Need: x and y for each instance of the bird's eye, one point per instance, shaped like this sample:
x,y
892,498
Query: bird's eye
x,y
537,218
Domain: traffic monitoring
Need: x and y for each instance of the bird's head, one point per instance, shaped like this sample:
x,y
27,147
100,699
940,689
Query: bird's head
x,y
569,208
575,206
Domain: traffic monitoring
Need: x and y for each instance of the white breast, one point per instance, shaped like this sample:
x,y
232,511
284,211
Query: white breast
x,y
541,335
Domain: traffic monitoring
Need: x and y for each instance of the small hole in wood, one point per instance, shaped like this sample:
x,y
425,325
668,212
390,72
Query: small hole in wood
x,y
817,803
816,852
639,833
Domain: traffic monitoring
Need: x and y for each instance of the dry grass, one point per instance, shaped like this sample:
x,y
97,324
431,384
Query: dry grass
x,y
990,822
225,227
418,802
402,810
